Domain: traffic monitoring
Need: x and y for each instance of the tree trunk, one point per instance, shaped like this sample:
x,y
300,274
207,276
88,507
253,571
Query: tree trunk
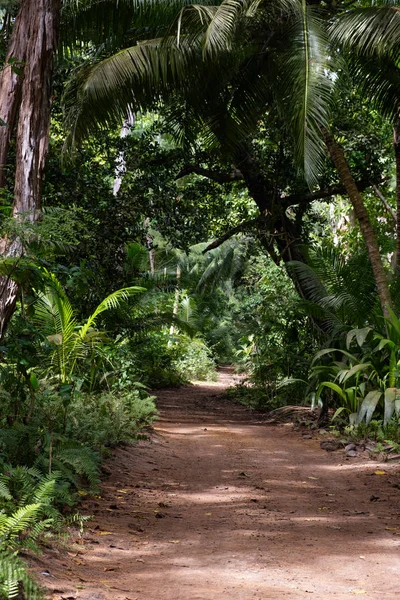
x,y
396,145
361,213
11,83
38,27
120,163
175,309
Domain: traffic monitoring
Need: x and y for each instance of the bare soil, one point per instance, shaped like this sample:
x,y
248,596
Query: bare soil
x,y
217,504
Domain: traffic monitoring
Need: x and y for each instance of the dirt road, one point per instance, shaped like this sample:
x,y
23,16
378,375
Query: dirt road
x,y
217,505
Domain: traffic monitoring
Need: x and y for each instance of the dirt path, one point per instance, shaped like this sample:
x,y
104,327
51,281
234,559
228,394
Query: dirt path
x,y
220,506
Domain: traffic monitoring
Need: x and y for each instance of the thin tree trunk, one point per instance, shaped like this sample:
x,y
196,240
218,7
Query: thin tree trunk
x,y
175,309
396,145
361,213
385,203
38,25
120,163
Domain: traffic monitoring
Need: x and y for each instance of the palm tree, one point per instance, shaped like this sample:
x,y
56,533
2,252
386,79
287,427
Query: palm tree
x,y
342,292
371,38
70,344
222,68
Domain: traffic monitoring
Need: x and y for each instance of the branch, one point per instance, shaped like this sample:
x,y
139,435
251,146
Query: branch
x,y
241,227
332,190
234,175
385,203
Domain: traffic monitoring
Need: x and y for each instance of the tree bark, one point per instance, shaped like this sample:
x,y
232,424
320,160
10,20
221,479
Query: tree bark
x,y
37,28
362,216
11,83
396,146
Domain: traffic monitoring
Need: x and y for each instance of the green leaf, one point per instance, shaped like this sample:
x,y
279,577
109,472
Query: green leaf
x,y
368,406
354,370
339,412
334,387
385,342
34,382
330,351
392,403
360,335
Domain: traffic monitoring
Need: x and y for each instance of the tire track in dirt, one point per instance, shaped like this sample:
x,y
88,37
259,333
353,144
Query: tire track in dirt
x,y
216,504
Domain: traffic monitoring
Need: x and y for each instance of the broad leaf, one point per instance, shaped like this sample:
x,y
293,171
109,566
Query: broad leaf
x,y
392,404
368,406
360,335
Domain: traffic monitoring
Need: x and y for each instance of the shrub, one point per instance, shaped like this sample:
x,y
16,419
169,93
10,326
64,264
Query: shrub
x,y
192,360
110,418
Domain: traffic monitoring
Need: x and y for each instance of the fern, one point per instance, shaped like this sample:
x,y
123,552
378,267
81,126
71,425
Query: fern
x,y
72,462
11,527
15,579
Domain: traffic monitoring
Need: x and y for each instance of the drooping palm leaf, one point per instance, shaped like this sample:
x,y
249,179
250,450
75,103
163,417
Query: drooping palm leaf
x,y
307,81
371,30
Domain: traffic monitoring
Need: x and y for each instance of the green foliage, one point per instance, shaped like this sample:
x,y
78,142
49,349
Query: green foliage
x,y
192,360
366,382
278,341
14,579
256,397
68,344
110,418
26,512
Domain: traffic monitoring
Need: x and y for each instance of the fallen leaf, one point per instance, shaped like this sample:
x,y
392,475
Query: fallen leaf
x,y
316,478
82,493
111,568
359,592
391,528
174,541
380,472
106,533
208,514
361,556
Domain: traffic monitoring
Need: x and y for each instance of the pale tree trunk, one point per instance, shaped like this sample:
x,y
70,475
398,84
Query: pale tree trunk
x,y
38,25
149,245
120,164
175,309
361,213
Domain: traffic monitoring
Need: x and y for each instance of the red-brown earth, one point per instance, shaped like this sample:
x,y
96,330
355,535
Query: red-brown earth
x,y
217,504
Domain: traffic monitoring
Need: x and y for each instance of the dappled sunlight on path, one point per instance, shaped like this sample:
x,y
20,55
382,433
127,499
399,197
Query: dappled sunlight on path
x,y
216,504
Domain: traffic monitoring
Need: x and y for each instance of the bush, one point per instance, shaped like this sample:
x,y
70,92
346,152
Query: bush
x,y
192,360
254,396
110,418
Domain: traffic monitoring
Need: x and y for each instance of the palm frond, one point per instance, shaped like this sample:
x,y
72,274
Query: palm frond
x,y
341,293
377,77
370,30
308,82
188,310
111,302
99,95
108,23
